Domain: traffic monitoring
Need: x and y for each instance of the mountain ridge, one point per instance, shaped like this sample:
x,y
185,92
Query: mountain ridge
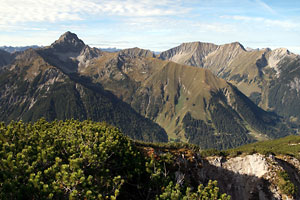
x,y
190,104
159,90
256,73
32,88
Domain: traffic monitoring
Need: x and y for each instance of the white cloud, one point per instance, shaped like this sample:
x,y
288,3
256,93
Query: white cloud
x,y
21,11
30,38
214,27
268,22
265,6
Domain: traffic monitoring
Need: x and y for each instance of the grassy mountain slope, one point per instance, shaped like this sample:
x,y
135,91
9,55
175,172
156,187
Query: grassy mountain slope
x,y
284,146
259,74
191,104
32,88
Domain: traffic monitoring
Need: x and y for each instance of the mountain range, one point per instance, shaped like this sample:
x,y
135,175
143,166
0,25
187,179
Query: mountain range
x,y
270,78
41,83
12,49
213,96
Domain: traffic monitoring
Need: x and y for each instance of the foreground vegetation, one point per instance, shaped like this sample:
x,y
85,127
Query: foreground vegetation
x,y
85,160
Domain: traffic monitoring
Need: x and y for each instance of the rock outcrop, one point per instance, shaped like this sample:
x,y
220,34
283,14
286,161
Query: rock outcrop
x,y
69,53
247,177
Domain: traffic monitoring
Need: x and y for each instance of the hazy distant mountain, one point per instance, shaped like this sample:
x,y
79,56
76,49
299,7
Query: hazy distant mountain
x,y
110,49
269,77
11,49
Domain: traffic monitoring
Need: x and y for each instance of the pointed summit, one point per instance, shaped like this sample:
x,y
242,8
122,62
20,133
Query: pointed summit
x,y
68,42
232,47
237,45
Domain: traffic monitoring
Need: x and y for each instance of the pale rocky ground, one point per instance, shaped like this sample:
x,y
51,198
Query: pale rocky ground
x,y
252,176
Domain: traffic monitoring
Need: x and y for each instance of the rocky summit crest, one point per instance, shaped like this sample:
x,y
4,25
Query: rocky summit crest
x,y
68,42
137,52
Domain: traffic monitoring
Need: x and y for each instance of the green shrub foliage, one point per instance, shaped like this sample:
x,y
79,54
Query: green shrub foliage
x,y
210,192
79,160
285,184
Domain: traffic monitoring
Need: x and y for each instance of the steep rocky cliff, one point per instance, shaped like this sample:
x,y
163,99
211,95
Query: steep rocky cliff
x,y
247,176
252,176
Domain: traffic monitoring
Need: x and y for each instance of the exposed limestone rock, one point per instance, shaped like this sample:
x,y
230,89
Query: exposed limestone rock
x,y
275,57
295,84
244,177
251,176
191,53
252,165
86,56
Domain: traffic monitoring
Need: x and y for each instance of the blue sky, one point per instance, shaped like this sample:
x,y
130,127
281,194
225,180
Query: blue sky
x,y
150,24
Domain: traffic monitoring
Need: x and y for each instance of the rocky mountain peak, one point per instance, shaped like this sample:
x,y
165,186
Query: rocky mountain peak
x,y
235,46
68,42
281,51
189,53
137,52
192,46
276,56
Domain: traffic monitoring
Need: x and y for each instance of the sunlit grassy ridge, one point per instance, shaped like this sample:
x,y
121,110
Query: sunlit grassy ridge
x,y
289,145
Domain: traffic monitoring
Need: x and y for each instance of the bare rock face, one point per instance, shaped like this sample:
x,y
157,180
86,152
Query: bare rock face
x,y
276,56
243,177
252,165
86,56
68,42
207,55
189,53
69,53
251,176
